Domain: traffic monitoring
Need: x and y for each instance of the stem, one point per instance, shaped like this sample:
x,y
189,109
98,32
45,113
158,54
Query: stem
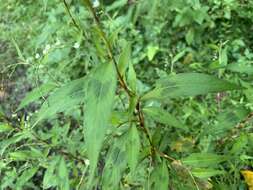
x,y
109,49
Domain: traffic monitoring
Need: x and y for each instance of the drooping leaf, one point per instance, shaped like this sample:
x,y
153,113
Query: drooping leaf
x,y
188,84
164,117
203,159
133,147
36,94
97,111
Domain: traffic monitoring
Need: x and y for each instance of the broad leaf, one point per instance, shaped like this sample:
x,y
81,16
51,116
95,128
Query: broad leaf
x,y
188,84
97,110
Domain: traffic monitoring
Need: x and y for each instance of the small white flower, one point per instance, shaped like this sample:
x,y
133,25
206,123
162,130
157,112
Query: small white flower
x,y
37,56
76,45
47,47
58,42
14,115
87,162
95,3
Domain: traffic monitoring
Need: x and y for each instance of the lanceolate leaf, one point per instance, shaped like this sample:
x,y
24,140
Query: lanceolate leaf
x,y
133,147
160,177
164,117
63,175
203,159
97,110
206,172
124,59
132,80
36,94
188,84
26,176
65,98
240,68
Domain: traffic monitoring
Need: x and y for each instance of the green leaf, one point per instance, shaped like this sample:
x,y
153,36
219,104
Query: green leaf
x,y
164,117
240,68
203,159
124,59
239,144
20,55
23,155
151,51
160,177
63,175
26,176
115,164
4,127
97,111
223,58
178,56
63,99
226,120
50,179
188,84
36,94
133,147
205,173
132,79
4,144
189,37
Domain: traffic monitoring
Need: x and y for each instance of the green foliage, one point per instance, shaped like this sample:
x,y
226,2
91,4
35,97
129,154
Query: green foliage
x,y
125,94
